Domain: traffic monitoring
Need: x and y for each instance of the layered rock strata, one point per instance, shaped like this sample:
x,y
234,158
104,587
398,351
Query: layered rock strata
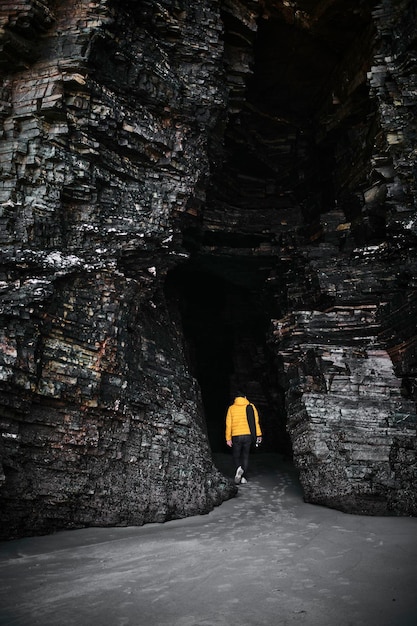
x,y
268,143
106,116
350,367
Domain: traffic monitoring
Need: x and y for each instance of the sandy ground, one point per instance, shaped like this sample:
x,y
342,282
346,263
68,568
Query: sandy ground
x,y
262,558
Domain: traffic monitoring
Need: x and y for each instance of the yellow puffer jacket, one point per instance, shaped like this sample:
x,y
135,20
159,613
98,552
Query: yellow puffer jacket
x,y
236,420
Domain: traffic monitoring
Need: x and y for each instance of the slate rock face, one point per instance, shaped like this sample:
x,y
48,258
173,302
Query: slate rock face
x,y
139,137
106,113
349,366
348,418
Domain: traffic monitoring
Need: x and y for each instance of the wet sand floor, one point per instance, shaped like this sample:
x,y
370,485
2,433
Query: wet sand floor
x,y
262,558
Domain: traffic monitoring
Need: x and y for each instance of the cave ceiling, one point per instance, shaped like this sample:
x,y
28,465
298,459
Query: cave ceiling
x,y
306,84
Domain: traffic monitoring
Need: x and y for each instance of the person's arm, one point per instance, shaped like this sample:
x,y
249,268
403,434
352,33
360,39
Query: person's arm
x,y
258,427
229,428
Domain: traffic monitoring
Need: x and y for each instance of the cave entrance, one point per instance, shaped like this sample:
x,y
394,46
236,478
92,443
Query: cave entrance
x,y
225,323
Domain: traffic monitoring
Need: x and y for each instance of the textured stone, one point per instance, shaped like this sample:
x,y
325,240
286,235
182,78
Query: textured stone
x,y
101,420
153,154
346,411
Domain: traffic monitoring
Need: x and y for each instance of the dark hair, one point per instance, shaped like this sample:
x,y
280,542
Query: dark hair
x,y
240,394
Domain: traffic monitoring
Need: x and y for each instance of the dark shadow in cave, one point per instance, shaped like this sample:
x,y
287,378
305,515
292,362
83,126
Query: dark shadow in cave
x,y
225,325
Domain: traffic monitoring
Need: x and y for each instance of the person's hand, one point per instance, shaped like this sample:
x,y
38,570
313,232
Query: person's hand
x,y
258,440
229,443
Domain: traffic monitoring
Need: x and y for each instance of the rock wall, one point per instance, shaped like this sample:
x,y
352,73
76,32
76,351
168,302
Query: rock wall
x,y
123,155
348,357
106,114
353,431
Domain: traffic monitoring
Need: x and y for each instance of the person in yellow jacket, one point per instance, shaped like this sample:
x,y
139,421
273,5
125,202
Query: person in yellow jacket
x,y
238,434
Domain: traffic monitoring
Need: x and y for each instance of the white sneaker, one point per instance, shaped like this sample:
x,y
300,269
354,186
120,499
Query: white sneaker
x,y
243,481
238,475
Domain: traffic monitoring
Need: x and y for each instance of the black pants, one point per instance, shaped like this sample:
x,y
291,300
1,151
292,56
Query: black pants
x,y
240,451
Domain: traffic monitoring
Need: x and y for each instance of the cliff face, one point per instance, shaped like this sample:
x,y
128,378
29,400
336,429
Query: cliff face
x,y
107,111
350,364
256,157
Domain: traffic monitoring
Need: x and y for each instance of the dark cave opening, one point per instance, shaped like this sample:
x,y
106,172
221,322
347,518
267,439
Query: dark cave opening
x,y
225,324
279,175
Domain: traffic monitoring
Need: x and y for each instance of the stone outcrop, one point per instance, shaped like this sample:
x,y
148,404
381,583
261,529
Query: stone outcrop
x,y
349,366
106,115
353,431
256,157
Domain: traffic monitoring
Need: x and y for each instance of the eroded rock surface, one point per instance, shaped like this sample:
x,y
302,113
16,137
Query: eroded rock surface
x,y
267,145
106,117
